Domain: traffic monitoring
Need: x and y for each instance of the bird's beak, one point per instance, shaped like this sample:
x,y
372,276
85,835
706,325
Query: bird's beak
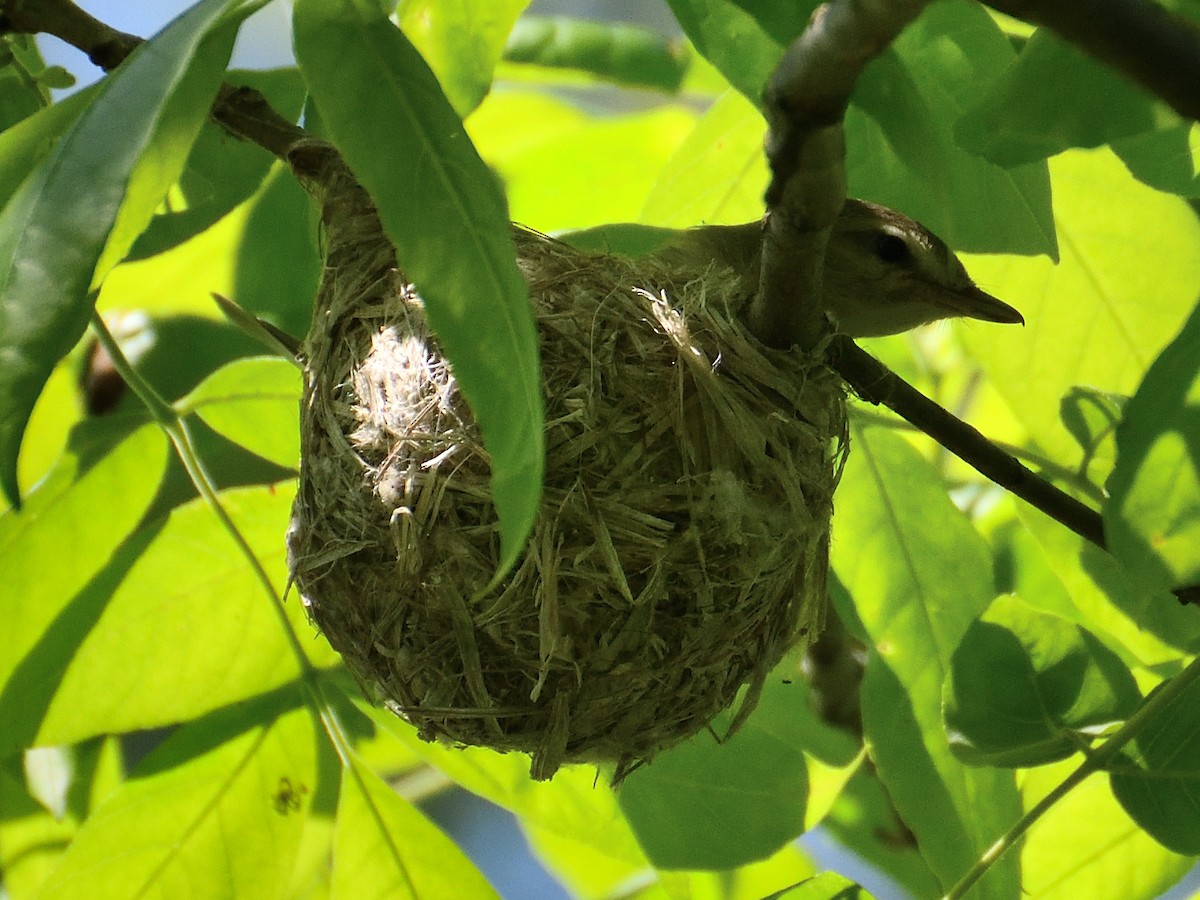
x,y
974,303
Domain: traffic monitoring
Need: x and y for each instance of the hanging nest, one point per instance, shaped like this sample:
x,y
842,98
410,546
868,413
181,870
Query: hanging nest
x,y
682,540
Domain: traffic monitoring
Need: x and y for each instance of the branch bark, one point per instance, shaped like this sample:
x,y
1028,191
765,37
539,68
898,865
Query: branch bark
x,y
805,101
241,111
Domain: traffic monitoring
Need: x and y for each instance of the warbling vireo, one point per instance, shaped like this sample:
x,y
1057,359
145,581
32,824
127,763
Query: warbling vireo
x,y
884,272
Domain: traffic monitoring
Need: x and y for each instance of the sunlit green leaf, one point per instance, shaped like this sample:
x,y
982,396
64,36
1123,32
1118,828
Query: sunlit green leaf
x,y
384,848
216,811
1152,520
564,169
462,41
49,552
1156,778
577,808
718,174
905,156
899,130
81,209
732,39
1143,626
707,804
1086,845
370,85
176,626
704,805
919,575
255,403
1128,279
1026,688
32,840
1091,417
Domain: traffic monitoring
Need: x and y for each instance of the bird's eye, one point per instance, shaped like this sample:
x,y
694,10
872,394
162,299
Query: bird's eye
x,y
891,249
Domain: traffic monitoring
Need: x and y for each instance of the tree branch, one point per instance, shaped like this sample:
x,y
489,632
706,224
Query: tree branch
x,y
805,101
105,46
1153,46
875,383
241,111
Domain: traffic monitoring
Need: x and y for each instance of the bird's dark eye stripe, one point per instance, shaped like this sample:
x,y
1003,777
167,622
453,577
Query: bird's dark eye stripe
x,y
891,249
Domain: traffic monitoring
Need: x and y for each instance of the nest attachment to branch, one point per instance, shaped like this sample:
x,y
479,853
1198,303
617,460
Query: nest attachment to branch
x,y
681,545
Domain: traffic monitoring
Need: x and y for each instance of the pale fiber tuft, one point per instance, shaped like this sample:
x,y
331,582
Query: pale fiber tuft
x,y
681,545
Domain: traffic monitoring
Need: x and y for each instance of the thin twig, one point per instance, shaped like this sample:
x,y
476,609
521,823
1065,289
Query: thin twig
x,y
241,111
876,383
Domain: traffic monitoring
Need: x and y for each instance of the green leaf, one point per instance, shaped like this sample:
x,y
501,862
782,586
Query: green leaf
x,y
1055,96
710,805
565,169
462,41
33,840
732,39
383,847
176,626
81,209
718,174
1152,519
899,129
865,822
23,79
1085,845
1026,688
905,155
1143,626
70,526
221,171
216,811
278,266
576,812
919,575
1124,288
1157,780
625,54
370,85
25,144
826,886
1091,416
254,403
1166,158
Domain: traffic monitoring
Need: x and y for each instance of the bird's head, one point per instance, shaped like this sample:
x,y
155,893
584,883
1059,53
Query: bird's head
x,y
884,272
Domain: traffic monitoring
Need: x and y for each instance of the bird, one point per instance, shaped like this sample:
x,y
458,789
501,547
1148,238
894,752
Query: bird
x,y
885,273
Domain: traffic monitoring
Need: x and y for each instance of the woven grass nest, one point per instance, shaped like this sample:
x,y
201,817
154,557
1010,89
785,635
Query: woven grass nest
x,y
681,545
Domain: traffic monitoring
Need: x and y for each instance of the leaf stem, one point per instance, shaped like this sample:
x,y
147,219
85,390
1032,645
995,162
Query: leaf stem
x,y
1156,704
176,429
